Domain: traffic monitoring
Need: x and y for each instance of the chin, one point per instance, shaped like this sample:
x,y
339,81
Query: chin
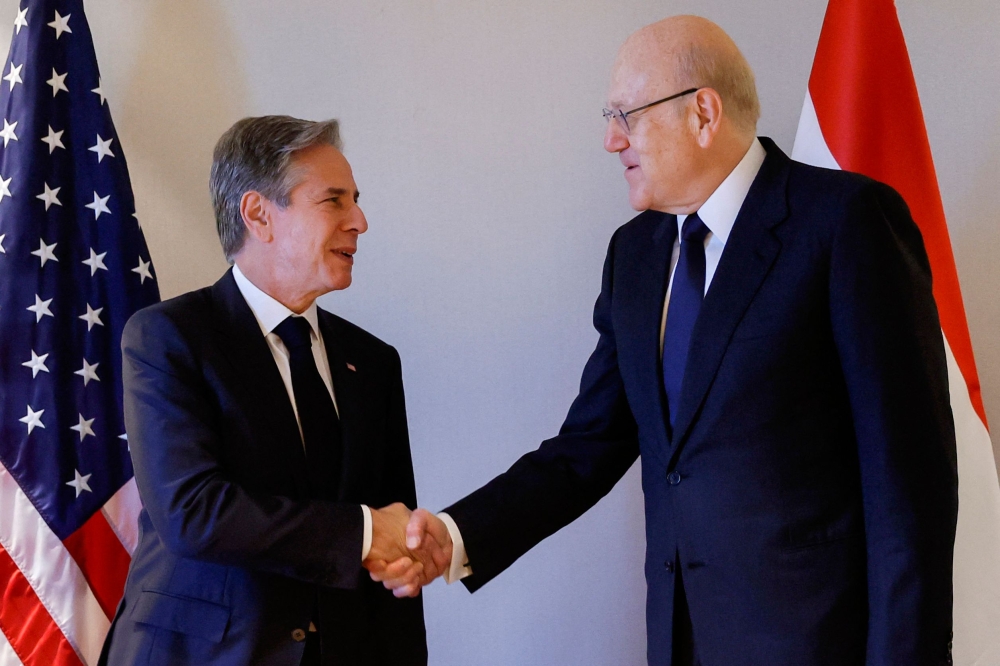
x,y
342,281
639,200
337,281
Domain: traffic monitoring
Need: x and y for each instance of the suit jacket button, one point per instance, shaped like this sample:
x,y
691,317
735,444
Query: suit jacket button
x,y
668,565
298,635
674,478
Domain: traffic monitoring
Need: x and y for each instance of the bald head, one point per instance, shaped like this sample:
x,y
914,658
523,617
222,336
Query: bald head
x,y
682,112
682,52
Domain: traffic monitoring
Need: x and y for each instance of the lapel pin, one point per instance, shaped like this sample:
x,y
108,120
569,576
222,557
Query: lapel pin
x,y
351,367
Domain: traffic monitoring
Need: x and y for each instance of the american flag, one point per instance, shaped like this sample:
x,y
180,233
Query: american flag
x,y
73,268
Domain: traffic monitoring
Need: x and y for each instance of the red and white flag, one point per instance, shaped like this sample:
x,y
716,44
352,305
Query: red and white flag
x,y
862,114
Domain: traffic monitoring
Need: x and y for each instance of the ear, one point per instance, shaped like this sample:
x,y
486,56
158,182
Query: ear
x,y
255,209
706,116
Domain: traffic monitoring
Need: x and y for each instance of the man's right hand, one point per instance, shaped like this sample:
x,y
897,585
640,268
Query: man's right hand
x,y
425,555
389,536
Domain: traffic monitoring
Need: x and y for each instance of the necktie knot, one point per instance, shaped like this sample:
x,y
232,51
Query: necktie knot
x,y
694,229
295,332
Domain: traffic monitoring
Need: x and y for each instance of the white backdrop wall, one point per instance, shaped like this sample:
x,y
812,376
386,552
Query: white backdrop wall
x,y
475,134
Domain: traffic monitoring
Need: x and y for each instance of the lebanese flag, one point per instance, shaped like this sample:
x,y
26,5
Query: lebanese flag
x,y
862,114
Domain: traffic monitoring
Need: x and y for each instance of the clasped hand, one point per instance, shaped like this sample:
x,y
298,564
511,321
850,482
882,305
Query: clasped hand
x,y
409,549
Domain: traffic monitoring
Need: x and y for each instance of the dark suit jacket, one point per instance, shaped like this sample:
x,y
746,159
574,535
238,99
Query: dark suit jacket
x,y
809,490
233,555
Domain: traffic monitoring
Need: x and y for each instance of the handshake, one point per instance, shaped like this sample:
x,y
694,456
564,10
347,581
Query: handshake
x,y
409,549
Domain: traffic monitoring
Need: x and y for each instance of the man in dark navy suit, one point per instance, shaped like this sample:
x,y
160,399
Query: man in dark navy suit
x,y
769,346
262,429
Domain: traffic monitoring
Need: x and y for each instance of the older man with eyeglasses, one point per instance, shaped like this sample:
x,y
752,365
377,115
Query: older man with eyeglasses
x,y
769,346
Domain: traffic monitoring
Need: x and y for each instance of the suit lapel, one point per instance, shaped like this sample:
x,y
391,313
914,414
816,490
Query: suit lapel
x,y
246,348
750,252
347,389
649,291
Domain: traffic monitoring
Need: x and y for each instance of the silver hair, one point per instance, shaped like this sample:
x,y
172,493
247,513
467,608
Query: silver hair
x,y
256,154
729,74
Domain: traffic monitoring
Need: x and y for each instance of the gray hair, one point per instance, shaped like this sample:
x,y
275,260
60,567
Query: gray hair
x,y
728,73
256,154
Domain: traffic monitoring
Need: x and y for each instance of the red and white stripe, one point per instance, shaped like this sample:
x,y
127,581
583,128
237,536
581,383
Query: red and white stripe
x,y
58,597
862,114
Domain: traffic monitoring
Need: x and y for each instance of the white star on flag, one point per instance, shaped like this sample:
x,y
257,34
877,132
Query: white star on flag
x,y
8,132
58,82
14,76
80,482
95,262
2,250
54,139
88,372
103,148
124,438
33,419
37,364
40,308
45,252
100,205
99,91
83,427
60,24
49,196
143,270
21,21
93,317
5,187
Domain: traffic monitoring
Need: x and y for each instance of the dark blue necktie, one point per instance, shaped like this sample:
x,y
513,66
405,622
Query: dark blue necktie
x,y
317,415
686,295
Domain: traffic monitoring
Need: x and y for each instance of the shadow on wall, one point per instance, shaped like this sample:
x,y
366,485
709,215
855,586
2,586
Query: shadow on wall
x,y
187,87
975,250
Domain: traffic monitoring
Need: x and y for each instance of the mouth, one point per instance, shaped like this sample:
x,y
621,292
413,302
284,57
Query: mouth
x,y
626,160
345,254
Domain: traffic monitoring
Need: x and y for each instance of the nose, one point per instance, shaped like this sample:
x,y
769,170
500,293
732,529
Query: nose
x,y
615,139
359,222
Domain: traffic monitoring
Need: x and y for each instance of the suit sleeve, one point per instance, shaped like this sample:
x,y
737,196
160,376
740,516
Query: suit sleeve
x,y
889,339
195,508
555,484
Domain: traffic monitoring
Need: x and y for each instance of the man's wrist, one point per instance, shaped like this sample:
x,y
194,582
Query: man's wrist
x,y
459,567
366,539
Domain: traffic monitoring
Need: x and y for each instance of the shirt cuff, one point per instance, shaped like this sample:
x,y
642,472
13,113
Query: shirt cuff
x,y
366,540
459,568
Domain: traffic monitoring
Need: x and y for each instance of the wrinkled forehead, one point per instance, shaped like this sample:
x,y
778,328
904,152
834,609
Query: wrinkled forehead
x,y
641,72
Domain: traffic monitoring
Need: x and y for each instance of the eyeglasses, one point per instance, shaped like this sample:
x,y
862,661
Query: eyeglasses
x,y
622,116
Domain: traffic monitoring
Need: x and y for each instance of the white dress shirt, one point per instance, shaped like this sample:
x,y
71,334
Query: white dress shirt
x,y
269,313
719,214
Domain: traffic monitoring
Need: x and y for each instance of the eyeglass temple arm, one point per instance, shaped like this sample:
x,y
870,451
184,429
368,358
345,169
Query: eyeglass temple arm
x,y
660,101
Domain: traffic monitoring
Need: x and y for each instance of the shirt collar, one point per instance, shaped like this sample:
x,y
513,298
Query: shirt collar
x,y
720,210
269,312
